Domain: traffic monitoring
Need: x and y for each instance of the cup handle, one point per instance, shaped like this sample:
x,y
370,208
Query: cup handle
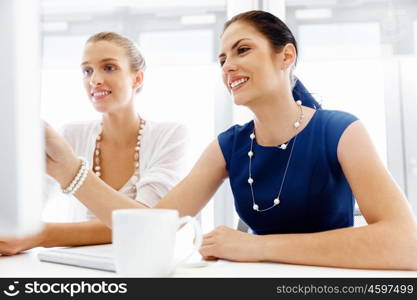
x,y
198,238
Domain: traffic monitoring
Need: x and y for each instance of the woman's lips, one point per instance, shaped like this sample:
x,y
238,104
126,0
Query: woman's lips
x,y
99,95
238,83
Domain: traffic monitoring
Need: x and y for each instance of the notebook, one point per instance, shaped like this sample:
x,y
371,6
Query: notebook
x,y
99,257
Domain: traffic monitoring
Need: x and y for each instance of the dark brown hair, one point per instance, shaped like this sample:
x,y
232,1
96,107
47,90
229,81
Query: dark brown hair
x,y
278,34
271,27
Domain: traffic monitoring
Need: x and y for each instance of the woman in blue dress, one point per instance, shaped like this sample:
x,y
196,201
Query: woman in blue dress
x,y
294,170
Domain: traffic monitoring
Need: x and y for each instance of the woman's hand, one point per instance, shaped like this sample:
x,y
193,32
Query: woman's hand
x,y
226,243
61,162
12,246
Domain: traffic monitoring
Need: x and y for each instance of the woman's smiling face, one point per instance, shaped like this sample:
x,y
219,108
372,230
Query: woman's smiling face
x,y
108,79
251,69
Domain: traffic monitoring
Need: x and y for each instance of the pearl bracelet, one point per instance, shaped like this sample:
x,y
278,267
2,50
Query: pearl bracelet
x,y
78,179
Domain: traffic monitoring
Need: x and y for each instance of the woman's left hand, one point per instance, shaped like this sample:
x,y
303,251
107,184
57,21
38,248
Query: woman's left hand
x,y
226,243
15,245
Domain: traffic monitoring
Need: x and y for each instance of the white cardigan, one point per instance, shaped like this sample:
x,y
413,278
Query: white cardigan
x,y
161,159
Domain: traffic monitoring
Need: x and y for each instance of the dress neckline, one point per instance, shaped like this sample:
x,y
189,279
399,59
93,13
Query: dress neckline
x,y
255,143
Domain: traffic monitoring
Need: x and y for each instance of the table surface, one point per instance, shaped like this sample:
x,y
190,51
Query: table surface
x,y
28,265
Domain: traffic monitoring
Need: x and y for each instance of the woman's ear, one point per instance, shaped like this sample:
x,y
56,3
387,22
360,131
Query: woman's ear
x,y
138,79
289,55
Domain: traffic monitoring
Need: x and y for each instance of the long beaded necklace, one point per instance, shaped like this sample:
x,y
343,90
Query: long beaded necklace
x,y
133,180
283,146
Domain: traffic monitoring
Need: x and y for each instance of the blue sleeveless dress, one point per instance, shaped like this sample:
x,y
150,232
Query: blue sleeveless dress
x,y
315,195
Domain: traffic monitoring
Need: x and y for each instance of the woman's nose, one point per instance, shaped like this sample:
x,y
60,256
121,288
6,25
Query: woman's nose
x,y
96,79
228,66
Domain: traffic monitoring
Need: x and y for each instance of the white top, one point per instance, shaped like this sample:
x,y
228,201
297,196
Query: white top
x,y
161,160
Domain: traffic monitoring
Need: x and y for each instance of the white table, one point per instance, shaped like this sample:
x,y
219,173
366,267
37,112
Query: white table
x,y
28,265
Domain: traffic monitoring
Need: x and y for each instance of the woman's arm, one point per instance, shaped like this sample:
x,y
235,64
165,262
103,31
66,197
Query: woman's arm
x,y
388,242
91,232
59,235
188,197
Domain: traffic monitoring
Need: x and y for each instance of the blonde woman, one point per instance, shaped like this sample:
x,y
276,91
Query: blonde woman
x,y
135,158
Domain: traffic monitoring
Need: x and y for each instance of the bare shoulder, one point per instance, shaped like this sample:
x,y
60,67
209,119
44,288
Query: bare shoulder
x,y
212,159
355,145
377,194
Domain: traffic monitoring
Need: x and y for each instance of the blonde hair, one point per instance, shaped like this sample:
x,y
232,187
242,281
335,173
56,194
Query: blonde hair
x,y
135,57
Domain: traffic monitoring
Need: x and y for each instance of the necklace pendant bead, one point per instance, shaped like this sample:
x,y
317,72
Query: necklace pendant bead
x,y
134,179
283,146
299,102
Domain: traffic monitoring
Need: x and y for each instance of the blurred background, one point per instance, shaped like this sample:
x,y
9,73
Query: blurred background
x,y
355,55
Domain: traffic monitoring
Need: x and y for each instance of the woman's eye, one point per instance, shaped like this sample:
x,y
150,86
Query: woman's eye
x,y
109,68
242,50
87,72
221,62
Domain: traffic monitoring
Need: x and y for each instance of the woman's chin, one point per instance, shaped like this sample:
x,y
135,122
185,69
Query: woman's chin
x,y
240,100
100,108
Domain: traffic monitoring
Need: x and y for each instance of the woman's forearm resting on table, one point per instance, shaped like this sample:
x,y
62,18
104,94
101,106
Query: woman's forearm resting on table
x,y
76,234
59,235
381,245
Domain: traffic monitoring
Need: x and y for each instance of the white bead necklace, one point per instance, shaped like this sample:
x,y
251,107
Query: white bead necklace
x,y
133,180
251,180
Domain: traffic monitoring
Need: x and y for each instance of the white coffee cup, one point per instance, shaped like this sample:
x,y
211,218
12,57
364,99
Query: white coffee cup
x,y
144,241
